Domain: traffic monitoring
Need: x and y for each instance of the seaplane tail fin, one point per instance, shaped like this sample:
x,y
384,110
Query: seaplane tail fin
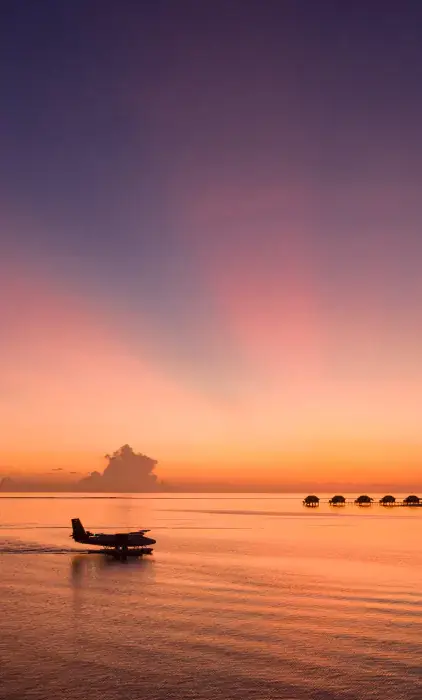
x,y
78,530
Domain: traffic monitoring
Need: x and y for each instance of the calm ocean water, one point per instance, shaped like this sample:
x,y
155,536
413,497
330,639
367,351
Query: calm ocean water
x,y
249,597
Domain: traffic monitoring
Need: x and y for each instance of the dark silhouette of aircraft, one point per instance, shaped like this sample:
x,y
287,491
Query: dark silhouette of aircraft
x,y
120,545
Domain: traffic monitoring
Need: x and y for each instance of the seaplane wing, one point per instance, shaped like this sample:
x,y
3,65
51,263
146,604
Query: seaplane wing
x,y
120,543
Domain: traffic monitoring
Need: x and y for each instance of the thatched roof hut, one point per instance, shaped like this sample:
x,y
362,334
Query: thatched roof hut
x,y
311,501
364,500
412,501
387,500
337,500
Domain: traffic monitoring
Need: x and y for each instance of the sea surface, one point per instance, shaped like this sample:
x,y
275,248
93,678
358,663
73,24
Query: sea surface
x,y
245,597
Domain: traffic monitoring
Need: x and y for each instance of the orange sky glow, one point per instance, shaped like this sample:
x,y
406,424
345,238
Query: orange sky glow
x,y
75,386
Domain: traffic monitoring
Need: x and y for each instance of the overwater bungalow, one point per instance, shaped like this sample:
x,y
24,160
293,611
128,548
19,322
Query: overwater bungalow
x,y
387,500
364,501
412,501
311,501
337,501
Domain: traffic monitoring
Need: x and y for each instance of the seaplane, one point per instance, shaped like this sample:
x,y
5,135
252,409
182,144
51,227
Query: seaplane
x,y
119,545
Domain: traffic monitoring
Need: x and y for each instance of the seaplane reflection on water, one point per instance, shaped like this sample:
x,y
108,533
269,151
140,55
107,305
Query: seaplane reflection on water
x,y
120,545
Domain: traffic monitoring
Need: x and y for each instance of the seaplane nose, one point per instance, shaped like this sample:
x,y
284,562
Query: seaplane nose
x,y
149,540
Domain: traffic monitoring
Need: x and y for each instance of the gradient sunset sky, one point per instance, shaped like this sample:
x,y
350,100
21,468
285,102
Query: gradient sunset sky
x,y
211,237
